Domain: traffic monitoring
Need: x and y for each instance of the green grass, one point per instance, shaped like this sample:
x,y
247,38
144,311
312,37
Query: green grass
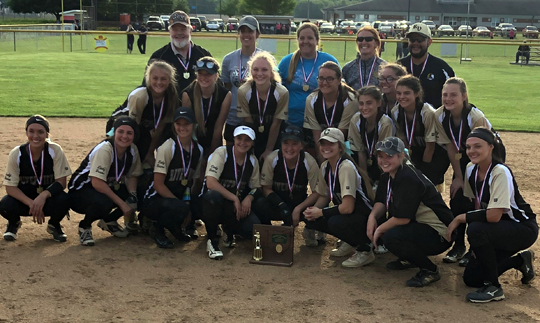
x,y
40,78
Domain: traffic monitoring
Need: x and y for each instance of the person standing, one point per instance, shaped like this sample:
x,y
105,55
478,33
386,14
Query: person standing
x,y
363,70
399,47
181,52
432,71
523,50
130,38
141,42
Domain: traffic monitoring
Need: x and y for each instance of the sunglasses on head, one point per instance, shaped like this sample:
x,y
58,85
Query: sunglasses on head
x,y
209,64
386,144
295,132
361,39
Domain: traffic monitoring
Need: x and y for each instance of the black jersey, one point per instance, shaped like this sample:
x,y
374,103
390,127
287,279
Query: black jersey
x,y
432,76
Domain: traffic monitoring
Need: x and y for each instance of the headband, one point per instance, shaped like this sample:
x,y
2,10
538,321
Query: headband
x,y
483,134
39,120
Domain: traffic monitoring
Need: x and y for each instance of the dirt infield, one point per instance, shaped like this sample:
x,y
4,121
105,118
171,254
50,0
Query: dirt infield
x,y
131,280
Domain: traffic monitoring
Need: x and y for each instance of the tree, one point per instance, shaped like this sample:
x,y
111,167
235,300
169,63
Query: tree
x,y
50,6
181,5
267,7
228,7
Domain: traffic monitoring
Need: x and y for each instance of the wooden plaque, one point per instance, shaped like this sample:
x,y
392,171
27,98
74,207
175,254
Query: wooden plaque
x,y
276,243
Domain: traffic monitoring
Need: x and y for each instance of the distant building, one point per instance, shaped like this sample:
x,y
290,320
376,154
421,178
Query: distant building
x,y
489,13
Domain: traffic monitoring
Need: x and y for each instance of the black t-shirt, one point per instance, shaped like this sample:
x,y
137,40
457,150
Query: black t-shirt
x,y
436,72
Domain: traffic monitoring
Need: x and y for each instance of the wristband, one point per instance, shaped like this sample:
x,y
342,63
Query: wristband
x,y
274,199
330,211
256,193
55,188
476,216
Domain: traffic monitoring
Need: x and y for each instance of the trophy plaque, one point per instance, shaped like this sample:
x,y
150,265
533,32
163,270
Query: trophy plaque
x,y
272,245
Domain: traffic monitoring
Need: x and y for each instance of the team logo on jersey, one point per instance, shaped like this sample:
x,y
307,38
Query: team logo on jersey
x,y
430,77
213,169
100,170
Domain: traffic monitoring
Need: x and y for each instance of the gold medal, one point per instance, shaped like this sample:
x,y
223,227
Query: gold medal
x,y
116,186
186,75
261,129
39,189
370,162
410,152
184,182
458,156
305,87
331,204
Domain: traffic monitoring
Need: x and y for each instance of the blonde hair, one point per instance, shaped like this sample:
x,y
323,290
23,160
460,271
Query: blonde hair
x,y
197,96
376,36
170,93
296,55
271,61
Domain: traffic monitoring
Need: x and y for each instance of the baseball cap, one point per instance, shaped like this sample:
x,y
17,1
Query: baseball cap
x,y
179,17
390,146
244,130
250,22
332,135
419,28
127,121
186,113
293,133
206,65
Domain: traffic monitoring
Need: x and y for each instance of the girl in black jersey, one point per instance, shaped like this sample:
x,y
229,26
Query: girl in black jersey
x,y
456,119
178,162
417,127
501,223
35,180
285,176
106,181
413,214
344,203
210,101
231,183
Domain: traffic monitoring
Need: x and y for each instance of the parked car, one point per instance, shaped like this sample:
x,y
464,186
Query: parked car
x,y
203,21
155,22
361,24
481,31
165,19
464,30
387,28
530,32
327,27
403,26
376,24
505,28
430,24
196,22
445,30
220,22
234,23
293,27
346,27
213,25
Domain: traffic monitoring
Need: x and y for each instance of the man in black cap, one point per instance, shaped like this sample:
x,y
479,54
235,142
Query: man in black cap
x,y
432,71
181,52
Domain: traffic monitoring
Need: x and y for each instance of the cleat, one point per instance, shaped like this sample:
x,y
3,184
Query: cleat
x,y
486,294
11,231
85,237
113,228
212,247
310,238
57,233
359,259
455,254
423,278
527,268
343,250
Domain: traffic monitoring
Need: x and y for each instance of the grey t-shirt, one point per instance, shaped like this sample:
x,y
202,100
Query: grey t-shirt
x,y
230,74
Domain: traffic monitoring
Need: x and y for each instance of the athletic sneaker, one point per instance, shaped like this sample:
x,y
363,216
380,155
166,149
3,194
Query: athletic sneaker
x,y
486,294
343,250
161,240
465,260
192,233
113,228
359,259
309,237
399,264
423,278
527,268
455,254
57,233
212,247
132,227
228,240
85,237
11,231
380,250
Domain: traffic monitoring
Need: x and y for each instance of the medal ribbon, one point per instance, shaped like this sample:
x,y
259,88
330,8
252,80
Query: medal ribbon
x,y
39,178
306,79
332,179
186,66
156,123
205,115
261,114
370,72
369,147
423,67
478,197
237,179
329,124
410,135
458,143
289,184
388,195
185,169
117,177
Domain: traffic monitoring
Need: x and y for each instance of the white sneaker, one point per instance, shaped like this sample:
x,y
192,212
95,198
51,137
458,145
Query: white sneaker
x,y
381,250
309,237
343,250
85,237
359,259
213,249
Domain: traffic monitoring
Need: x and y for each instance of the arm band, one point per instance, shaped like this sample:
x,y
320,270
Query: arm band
x,y
476,216
55,188
330,211
274,199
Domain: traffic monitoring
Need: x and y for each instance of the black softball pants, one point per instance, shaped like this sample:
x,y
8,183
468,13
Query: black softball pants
x,y
167,213
95,205
217,209
350,228
267,212
55,207
493,245
414,242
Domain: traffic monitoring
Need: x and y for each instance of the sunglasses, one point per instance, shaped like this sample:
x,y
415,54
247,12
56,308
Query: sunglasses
x,y
328,80
417,40
386,79
386,144
361,39
208,64
294,132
